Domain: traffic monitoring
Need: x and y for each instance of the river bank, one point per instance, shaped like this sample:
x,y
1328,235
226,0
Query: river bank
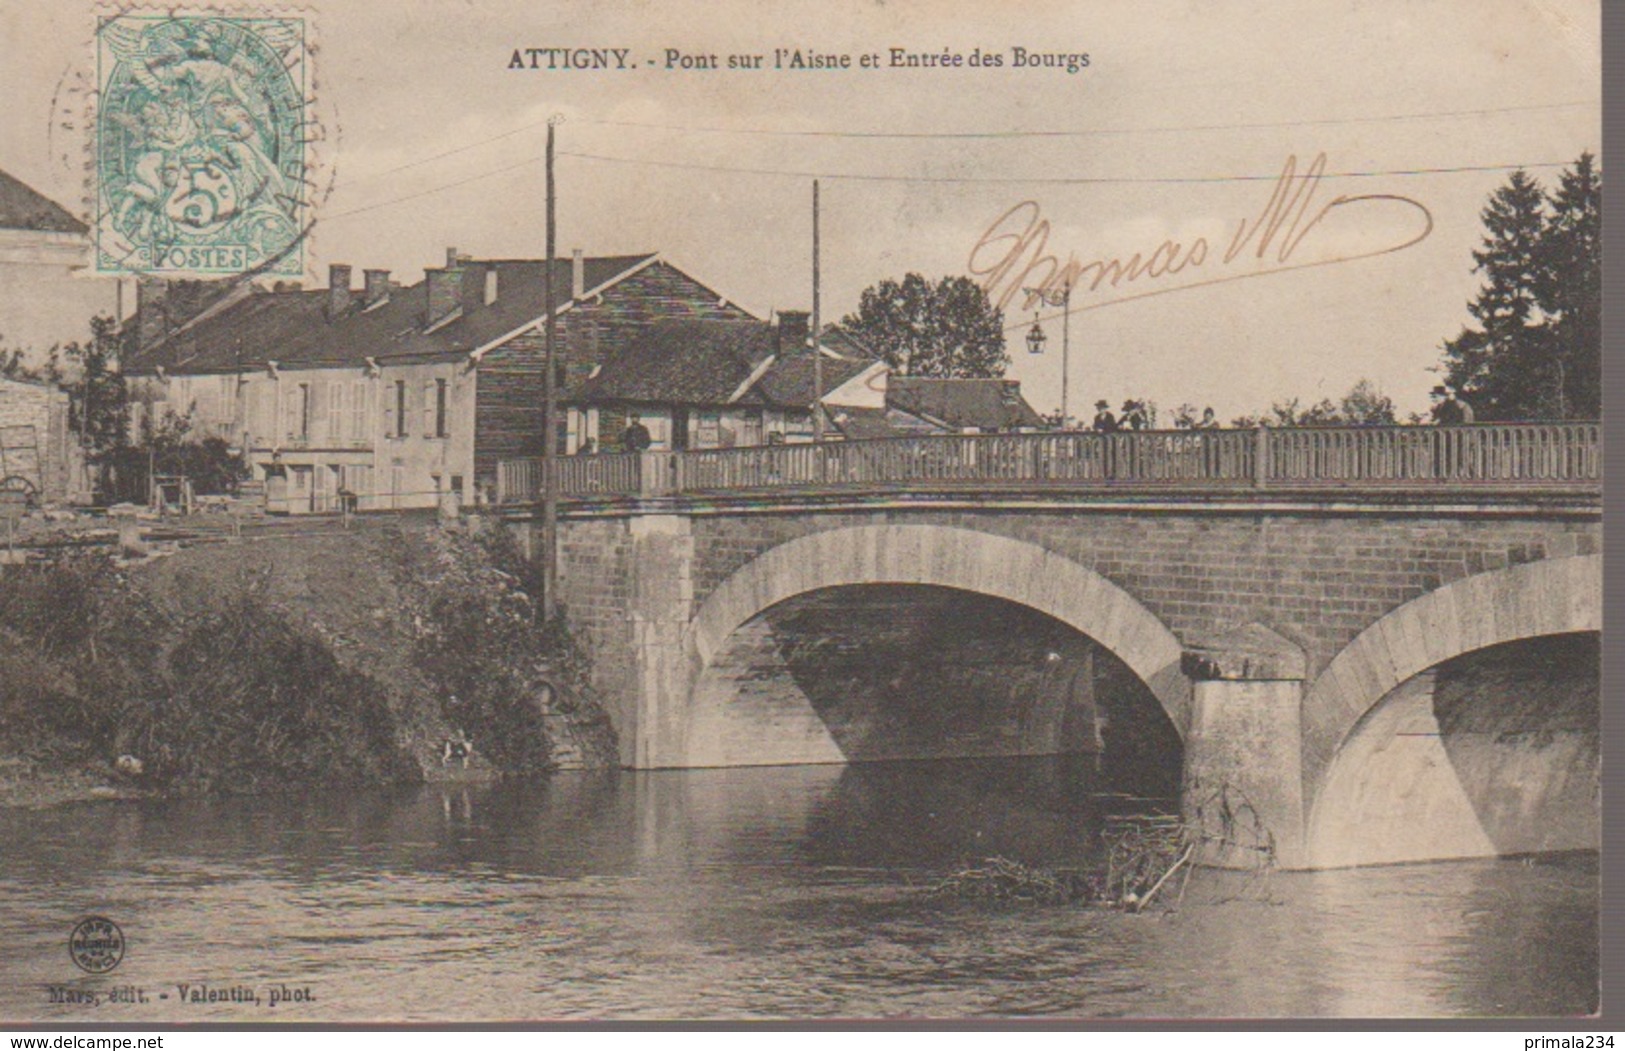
x,y
286,662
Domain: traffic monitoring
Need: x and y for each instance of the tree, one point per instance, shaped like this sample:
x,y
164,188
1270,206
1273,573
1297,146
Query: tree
x,y
1536,349
100,397
948,329
1571,290
1364,404
1367,405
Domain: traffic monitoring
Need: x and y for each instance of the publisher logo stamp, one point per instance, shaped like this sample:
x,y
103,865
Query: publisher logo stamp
x,y
96,945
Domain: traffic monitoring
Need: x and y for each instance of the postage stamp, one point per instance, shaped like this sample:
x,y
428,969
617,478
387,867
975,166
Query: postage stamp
x,y
201,144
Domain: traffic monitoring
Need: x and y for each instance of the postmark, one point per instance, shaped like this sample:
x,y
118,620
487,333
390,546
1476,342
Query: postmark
x,y
96,945
202,143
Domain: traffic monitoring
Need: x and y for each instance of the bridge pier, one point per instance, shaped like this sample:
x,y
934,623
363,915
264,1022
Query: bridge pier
x,y
661,594
1243,780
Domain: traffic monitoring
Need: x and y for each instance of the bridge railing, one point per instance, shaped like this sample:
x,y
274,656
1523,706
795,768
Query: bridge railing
x,y
1478,454
610,474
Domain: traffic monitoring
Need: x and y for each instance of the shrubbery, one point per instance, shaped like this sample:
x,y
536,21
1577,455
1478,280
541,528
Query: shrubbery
x,y
481,643
234,698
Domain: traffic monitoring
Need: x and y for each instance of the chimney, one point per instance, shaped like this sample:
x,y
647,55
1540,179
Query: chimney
x,y
444,287
338,290
578,274
152,312
793,330
376,288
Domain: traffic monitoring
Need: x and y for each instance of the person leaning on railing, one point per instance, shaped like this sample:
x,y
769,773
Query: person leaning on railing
x,y
1105,424
1449,412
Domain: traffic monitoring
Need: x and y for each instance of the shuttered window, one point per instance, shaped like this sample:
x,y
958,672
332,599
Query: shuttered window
x,y
358,410
335,411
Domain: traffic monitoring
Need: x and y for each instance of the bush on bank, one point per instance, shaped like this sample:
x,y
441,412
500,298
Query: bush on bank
x,y
225,669
481,641
233,697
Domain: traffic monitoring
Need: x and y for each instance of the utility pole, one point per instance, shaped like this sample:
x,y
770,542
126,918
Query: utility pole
x,y
818,357
550,410
1036,339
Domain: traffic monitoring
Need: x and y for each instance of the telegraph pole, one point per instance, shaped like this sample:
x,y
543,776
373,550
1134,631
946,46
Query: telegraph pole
x,y
550,411
818,358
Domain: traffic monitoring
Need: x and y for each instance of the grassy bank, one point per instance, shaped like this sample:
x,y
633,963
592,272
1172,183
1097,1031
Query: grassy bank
x,y
336,659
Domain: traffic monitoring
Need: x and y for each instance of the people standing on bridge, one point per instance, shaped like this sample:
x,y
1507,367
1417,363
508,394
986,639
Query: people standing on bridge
x,y
1211,467
1450,409
1133,419
636,437
1449,457
1105,424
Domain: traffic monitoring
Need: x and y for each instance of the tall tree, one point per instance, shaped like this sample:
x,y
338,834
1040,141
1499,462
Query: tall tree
x,y
1535,351
100,396
948,329
1571,290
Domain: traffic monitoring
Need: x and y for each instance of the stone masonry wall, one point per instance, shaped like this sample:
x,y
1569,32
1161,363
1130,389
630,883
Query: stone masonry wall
x,y
1317,579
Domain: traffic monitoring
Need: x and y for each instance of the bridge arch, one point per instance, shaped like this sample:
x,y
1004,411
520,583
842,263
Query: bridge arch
x,y
969,560
1391,659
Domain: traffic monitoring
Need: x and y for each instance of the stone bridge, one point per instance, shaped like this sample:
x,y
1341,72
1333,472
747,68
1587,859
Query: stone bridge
x,y
1361,668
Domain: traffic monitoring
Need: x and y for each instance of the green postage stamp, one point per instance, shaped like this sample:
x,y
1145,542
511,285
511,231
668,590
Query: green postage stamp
x,y
202,144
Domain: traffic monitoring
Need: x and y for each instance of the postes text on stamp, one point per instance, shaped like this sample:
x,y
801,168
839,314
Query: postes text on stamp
x,y
201,141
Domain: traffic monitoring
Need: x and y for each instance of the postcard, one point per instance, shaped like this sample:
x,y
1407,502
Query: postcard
x,y
536,511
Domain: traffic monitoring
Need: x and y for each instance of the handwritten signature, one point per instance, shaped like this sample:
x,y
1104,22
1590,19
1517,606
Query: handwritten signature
x,y
1011,256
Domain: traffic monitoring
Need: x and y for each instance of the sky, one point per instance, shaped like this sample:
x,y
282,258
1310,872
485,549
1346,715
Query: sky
x,y
1175,131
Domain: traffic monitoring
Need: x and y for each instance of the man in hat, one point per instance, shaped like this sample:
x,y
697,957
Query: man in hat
x,y
1450,410
1105,422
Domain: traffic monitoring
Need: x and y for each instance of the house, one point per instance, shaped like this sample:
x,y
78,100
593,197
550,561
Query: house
x,y
721,384
401,395
39,456
922,404
43,302
709,384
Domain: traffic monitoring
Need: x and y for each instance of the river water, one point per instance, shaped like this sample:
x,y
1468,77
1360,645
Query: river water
x,y
749,893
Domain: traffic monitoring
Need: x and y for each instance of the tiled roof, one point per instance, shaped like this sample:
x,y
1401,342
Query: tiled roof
x,y
689,362
708,362
24,208
789,381
855,423
292,327
985,404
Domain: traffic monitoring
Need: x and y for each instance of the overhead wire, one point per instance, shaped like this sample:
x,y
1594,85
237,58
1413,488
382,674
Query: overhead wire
x,y
949,136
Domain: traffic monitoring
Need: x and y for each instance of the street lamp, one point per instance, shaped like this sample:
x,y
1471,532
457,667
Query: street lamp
x,y
1036,339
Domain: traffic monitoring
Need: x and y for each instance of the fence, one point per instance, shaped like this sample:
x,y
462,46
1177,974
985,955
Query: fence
x,y
1564,454
610,474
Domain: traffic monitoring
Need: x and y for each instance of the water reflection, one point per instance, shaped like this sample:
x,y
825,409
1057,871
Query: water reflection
x,y
746,893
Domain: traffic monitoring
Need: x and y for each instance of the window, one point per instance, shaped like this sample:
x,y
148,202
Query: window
x,y
428,409
400,421
335,411
299,413
440,407
358,410
706,434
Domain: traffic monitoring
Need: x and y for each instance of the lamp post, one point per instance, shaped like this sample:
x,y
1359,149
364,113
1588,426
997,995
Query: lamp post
x,y
1036,339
